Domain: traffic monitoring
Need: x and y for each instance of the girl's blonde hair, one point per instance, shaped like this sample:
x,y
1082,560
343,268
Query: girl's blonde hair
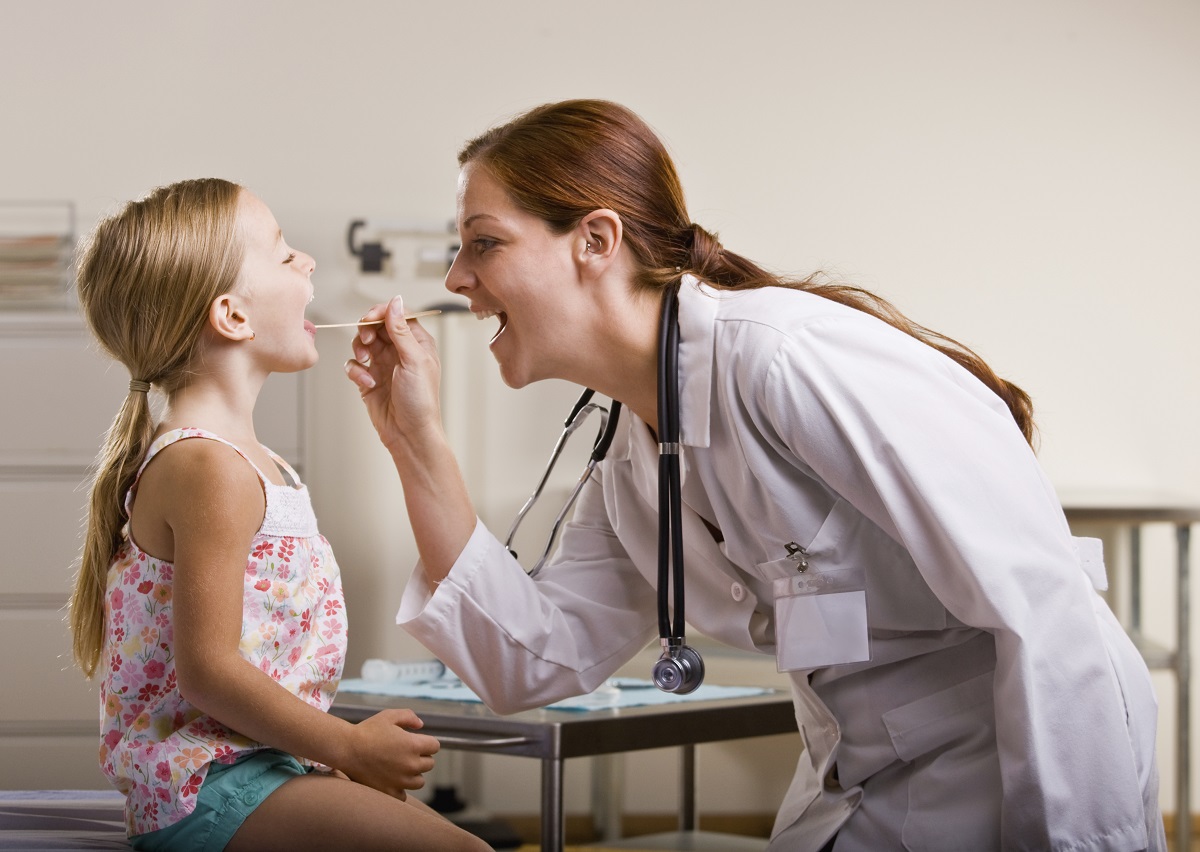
x,y
146,277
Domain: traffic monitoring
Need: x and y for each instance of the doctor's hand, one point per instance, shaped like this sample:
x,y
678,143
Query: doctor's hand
x,y
396,368
398,374
386,753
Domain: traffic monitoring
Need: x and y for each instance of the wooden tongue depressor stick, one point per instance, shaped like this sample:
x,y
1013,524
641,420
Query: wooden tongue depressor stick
x,y
412,316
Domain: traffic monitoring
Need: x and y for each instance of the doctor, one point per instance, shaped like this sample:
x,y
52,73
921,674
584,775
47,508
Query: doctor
x,y
841,466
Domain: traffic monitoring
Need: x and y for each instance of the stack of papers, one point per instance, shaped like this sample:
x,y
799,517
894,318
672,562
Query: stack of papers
x,y
36,245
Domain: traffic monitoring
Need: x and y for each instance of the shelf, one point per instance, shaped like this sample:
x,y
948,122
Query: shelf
x,y
1133,512
1156,656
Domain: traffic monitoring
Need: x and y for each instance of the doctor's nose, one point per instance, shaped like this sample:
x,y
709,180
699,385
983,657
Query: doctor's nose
x,y
458,278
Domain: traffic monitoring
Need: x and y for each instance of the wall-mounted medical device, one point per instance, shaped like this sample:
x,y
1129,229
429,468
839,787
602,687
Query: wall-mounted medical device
x,y
409,257
434,243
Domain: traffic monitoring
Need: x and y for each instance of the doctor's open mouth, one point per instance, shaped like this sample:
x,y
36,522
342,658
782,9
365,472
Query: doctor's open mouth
x,y
486,314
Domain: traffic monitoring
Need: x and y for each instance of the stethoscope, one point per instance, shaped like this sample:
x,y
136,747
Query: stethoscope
x,y
680,669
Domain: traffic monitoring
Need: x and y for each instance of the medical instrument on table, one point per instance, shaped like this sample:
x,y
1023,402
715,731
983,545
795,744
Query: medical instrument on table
x,y
680,669
412,316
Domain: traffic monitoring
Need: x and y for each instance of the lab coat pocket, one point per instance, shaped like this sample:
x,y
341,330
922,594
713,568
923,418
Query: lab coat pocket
x,y
820,599
820,620
931,722
954,790
900,599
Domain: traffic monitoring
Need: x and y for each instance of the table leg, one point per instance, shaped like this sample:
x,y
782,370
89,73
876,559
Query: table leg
x,y
553,826
687,788
1135,581
1183,672
608,795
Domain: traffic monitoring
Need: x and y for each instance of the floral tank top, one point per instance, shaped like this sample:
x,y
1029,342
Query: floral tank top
x,y
156,748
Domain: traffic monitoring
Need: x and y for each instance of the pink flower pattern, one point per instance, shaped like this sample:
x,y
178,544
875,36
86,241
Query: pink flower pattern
x,y
155,746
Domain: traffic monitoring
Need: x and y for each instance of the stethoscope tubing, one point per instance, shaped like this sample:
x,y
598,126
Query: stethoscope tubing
x,y
670,513
608,427
680,669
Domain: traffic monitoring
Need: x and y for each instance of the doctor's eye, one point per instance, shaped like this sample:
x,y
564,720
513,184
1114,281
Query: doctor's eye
x,y
482,244
291,256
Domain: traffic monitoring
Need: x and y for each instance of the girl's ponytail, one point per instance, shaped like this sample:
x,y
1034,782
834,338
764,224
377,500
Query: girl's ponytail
x,y
116,467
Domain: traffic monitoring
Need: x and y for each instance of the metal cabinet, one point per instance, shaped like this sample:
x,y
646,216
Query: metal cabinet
x,y
1133,516
58,394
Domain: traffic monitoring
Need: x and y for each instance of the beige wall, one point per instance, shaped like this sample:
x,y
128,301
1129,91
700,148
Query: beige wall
x,y
1020,175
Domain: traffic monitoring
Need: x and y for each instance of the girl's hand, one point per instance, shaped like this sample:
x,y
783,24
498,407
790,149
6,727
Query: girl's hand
x,y
397,371
388,755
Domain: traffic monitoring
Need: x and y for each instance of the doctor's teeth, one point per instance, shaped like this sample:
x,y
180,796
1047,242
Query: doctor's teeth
x,y
484,314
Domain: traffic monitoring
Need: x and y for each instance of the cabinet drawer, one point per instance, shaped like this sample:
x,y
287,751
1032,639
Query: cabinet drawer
x,y
43,519
52,761
60,395
41,682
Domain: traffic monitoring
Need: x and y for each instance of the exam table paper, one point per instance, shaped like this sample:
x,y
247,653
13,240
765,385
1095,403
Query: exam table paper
x,y
614,693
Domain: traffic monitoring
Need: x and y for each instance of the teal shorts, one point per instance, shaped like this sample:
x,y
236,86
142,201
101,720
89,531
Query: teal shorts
x,y
229,794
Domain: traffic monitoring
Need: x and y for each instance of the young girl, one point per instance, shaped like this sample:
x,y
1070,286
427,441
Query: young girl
x,y
207,601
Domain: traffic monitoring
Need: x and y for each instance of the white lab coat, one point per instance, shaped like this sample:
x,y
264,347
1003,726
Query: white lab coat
x,y
1002,705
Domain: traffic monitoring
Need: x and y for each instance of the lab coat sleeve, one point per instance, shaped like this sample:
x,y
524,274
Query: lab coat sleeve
x,y
934,458
520,642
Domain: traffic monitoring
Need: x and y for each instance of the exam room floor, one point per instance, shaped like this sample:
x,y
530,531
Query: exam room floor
x,y
533,847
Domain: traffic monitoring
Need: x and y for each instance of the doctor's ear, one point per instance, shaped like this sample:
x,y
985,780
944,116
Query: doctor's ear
x,y
599,234
229,319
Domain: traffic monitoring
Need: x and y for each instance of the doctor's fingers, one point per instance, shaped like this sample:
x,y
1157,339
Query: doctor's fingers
x,y
360,375
377,312
409,347
372,364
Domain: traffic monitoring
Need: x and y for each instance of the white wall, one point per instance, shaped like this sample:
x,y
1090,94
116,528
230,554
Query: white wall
x,y
1021,175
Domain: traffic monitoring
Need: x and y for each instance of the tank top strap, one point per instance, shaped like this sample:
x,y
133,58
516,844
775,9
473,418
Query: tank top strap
x,y
289,473
167,438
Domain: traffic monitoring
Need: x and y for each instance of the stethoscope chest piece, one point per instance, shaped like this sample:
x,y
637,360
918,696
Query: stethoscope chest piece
x,y
680,669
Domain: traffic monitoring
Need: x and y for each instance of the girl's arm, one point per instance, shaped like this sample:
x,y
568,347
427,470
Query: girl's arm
x,y
214,504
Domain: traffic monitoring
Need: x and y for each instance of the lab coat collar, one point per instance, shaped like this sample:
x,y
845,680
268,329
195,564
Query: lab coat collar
x,y
698,304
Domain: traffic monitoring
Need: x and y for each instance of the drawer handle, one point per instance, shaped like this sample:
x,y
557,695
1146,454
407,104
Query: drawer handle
x,y
480,742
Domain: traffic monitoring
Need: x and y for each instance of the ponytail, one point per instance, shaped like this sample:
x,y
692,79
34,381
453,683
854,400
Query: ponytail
x,y
703,256
116,467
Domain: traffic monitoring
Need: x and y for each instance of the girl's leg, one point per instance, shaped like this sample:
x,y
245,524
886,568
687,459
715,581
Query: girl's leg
x,y
320,811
